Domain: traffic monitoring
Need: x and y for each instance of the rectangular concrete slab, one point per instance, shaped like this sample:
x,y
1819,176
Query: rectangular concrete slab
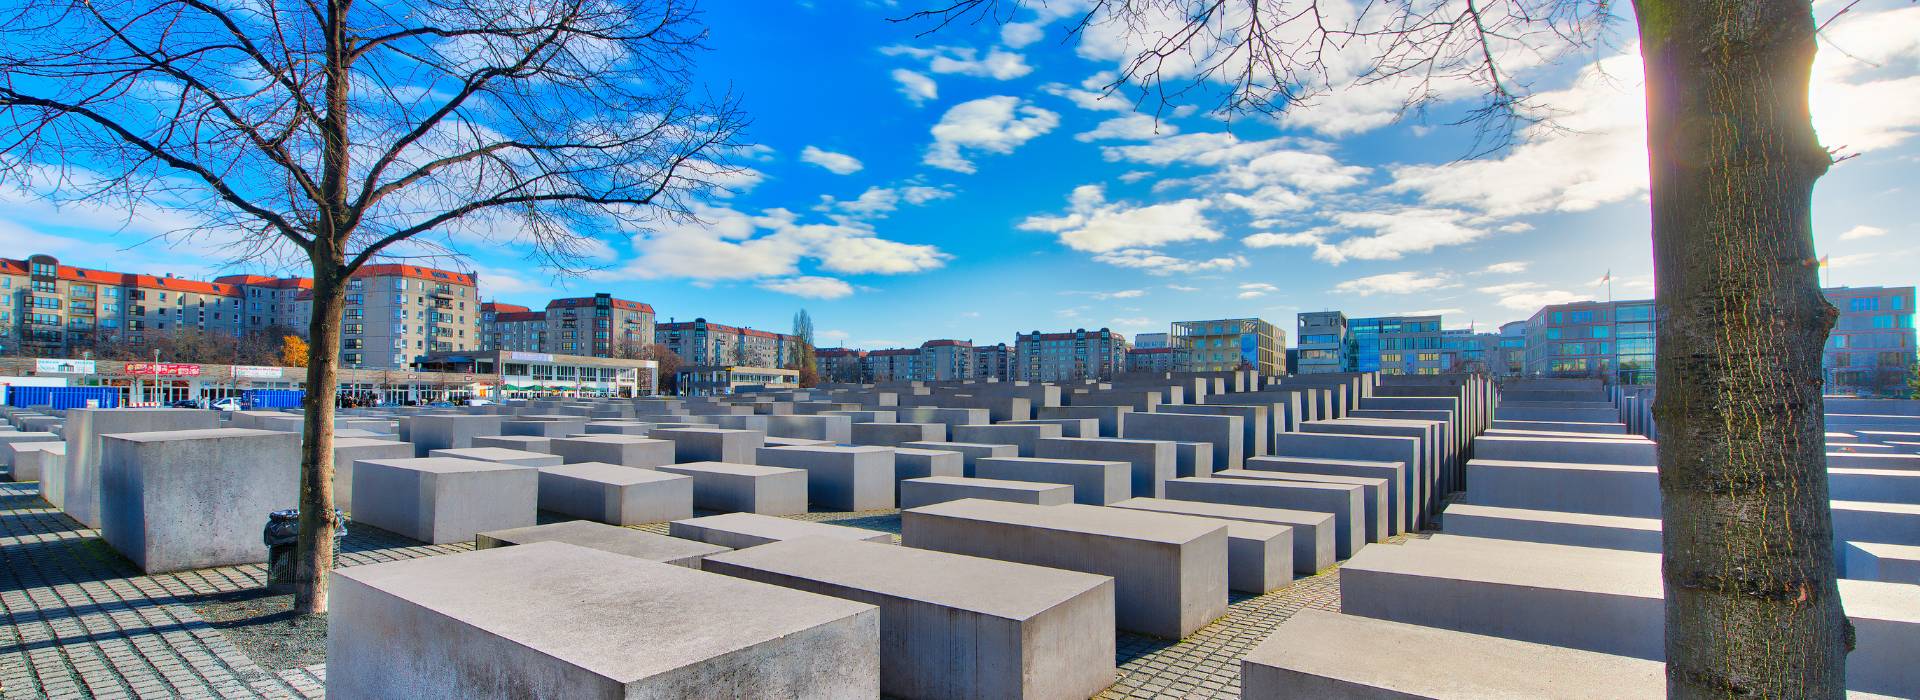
x,y
970,452
910,463
1342,502
1094,482
434,432
1313,548
435,628
624,450
839,477
1170,573
502,455
895,434
1393,472
606,538
438,500
940,489
192,499
952,625
1378,516
614,494
1025,438
524,443
84,427
742,530
1153,462
746,488
1225,433
711,444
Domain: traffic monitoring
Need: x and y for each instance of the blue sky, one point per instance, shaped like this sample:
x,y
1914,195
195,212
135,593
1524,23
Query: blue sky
x,y
970,185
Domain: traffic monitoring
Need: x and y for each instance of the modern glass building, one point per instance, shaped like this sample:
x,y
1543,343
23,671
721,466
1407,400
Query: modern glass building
x,y
1398,345
1871,349
1611,340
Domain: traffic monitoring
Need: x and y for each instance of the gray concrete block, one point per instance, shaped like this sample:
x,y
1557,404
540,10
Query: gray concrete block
x,y
970,452
1571,450
1255,423
909,463
1317,654
835,429
1170,573
1094,482
85,426
1225,433
525,443
606,538
1342,502
1370,448
33,461
1312,533
192,499
346,451
560,427
743,530
624,450
1394,473
1152,462
501,455
435,628
1024,437
439,500
840,478
896,434
748,488
615,494
711,444
940,489
1192,459
1069,427
436,432
1874,561
1379,515
1112,419
1554,527
1599,489
952,625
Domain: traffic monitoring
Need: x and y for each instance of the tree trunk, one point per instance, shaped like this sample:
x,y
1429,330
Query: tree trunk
x,y
1752,608
315,548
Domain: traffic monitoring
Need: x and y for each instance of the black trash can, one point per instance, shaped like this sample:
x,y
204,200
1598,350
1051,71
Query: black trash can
x,y
282,536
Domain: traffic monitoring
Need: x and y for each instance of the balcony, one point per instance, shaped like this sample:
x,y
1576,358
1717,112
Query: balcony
x,y
441,292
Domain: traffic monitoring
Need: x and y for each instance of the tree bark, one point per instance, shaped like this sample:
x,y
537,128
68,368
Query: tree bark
x,y
314,550
1752,607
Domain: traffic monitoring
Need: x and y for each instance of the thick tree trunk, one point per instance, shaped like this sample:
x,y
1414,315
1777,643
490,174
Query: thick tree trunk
x,y
315,548
1752,609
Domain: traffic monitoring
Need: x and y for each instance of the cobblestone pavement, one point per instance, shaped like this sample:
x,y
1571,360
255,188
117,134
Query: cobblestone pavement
x,y
81,622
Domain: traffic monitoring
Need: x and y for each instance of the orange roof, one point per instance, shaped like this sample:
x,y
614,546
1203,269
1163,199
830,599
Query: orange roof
x,y
416,272
588,301
265,281
123,279
502,307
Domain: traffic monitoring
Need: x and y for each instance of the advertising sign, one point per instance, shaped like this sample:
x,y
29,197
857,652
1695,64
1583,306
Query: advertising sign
x,y
63,366
163,369
253,372
530,356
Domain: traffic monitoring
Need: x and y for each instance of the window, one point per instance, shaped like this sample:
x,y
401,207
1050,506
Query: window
x,y
1863,304
48,286
356,299
1579,317
1601,331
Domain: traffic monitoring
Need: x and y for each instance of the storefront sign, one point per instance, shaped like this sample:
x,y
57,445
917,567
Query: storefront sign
x,y
163,369
530,356
63,366
252,372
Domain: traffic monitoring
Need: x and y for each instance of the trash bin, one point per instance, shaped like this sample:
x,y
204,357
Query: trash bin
x,y
282,537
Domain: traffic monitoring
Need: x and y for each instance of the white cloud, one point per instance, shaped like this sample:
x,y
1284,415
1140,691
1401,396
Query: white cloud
x,y
998,64
1271,200
1132,127
1130,322
1255,290
1019,34
1507,268
728,244
1158,264
917,87
1133,176
836,163
996,124
835,336
1270,240
1862,231
1245,165
1182,288
1397,233
877,202
1394,283
810,287
1122,294
1095,225
1091,96
1529,296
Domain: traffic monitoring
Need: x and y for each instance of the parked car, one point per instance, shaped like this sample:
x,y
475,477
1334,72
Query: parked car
x,y
231,403
184,403
479,402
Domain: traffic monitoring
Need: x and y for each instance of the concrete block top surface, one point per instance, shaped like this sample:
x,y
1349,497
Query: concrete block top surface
x,y
917,452
1134,525
609,439
776,528
1279,460
608,538
685,431
987,586
730,468
831,448
200,434
445,465
490,454
1582,466
1225,510
613,474
1432,662
1508,562
1554,516
596,609
990,483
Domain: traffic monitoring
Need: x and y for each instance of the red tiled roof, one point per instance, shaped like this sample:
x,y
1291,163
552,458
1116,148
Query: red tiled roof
x,y
839,352
588,301
502,307
416,272
893,352
265,281
122,279
947,343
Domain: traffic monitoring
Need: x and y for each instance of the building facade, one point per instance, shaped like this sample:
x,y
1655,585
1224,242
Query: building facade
x,y
1155,360
1871,349
511,327
1150,341
1512,358
1609,340
1323,344
842,365
892,365
699,342
993,362
1397,345
56,310
1228,344
1077,355
398,313
598,326
945,360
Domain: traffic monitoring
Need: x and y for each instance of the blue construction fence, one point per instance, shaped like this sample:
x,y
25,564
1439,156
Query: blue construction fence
x,y
274,398
63,397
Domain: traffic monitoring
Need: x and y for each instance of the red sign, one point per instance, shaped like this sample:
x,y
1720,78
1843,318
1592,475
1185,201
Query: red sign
x,y
163,369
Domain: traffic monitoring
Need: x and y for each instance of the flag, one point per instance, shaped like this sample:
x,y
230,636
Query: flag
x,y
1607,277
1824,262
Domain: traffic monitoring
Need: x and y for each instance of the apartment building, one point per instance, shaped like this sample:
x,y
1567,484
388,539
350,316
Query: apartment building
x,y
1156,360
946,360
1150,341
1323,344
1073,356
598,326
59,310
397,312
1234,343
1397,345
268,302
993,362
699,342
1612,340
892,365
842,365
512,327
1871,349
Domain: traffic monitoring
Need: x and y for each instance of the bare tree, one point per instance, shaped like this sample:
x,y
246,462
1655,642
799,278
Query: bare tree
x,y
339,133
1752,607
